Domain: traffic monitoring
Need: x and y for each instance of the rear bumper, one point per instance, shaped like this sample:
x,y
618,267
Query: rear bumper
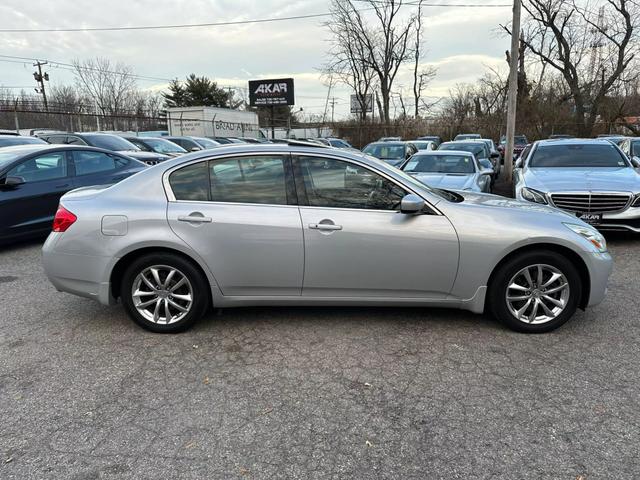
x,y
81,275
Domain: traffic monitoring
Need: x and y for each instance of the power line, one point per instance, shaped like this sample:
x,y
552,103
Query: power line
x,y
228,23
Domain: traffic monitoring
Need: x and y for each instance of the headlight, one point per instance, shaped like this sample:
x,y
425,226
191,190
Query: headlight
x,y
591,235
532,195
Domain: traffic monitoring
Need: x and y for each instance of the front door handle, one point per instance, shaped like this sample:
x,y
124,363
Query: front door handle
x,y
324,226
194,219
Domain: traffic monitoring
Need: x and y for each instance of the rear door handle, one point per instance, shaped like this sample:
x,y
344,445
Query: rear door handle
x,y
194,219
324,226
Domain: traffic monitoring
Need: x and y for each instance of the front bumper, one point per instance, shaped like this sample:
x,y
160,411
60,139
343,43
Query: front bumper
x,y
600,266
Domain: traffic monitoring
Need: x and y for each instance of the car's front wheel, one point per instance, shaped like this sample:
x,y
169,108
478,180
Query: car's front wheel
x,y
535,292
164,293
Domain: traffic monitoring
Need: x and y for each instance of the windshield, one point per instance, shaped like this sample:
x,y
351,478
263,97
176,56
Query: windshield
x,y
339,143
476,149
520,140
160,145
420,145
440,164
576,156
205,142
8,140
385,151
111,142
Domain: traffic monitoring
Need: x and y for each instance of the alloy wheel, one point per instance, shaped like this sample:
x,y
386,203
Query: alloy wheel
x,y
162,294
537,294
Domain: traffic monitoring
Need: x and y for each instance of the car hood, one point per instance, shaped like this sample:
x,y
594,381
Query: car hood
x,y
497,201
446,181
582,179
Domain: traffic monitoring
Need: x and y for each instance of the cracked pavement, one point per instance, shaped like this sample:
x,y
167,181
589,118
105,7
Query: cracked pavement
x,y
315,392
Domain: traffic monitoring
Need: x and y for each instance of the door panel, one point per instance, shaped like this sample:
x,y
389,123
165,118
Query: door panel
x,y
377,253
236,213
357,243
250,249
29,208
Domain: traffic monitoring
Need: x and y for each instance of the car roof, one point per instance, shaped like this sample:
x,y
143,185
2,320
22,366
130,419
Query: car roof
x,y
444,152
575,141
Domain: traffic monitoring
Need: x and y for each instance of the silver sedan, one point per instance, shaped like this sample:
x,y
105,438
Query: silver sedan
x,y
455,170
295,224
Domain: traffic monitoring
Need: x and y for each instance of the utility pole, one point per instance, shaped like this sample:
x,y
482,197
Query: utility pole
x,y
333,106
40,78
512,98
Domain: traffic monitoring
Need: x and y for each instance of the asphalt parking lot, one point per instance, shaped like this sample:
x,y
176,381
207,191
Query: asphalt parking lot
x,y
315,392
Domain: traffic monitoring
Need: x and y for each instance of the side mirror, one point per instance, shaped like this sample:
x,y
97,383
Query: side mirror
x,y
487,171
411,204
518,163
11,182
635,161
195,149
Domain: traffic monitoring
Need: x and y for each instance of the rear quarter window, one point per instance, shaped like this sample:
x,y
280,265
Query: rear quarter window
x,y
191,182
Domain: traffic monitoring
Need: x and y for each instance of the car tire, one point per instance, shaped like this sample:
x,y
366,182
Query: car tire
x,y
507,297
151,297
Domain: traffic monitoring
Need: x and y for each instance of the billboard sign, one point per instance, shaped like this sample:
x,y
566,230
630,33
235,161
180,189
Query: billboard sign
x,y
271,92
355,104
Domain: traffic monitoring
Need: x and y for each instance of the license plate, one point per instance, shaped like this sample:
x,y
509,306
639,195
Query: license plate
x,y
591,218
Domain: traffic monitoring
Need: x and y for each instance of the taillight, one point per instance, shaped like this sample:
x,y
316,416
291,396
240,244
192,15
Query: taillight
x,y
63,219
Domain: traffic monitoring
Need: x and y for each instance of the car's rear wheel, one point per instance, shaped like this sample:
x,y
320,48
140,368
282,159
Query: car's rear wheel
x,y
535,292
164,293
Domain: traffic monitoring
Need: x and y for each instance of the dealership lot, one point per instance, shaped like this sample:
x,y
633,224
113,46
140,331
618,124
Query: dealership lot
x,y
315,392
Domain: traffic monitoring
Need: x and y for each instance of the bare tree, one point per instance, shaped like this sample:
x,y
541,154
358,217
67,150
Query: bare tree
x,y
111,85
591,49
382,46
421,75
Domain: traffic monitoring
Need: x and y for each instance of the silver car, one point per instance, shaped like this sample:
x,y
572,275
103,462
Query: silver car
x,y
295,224
449,169
589,178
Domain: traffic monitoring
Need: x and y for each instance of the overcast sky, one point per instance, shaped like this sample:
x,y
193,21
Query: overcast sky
x,y
461,42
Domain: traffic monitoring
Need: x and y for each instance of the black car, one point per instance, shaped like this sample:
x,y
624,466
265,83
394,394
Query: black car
x,y
34,177
157,145
11,140
194,144
107,141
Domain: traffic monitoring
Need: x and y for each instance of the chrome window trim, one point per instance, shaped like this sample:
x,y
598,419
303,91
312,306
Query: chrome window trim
x,y
171,197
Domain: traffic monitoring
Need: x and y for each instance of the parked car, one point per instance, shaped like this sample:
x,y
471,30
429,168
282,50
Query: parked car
x,y
480,150
424,144
456,170
393,153
557,136
108,141
157,145
467,136
432,138
194,144
519,142
631,147
11,140
224,227
615,139
34,177
591,179
334,142
226,140
390,139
